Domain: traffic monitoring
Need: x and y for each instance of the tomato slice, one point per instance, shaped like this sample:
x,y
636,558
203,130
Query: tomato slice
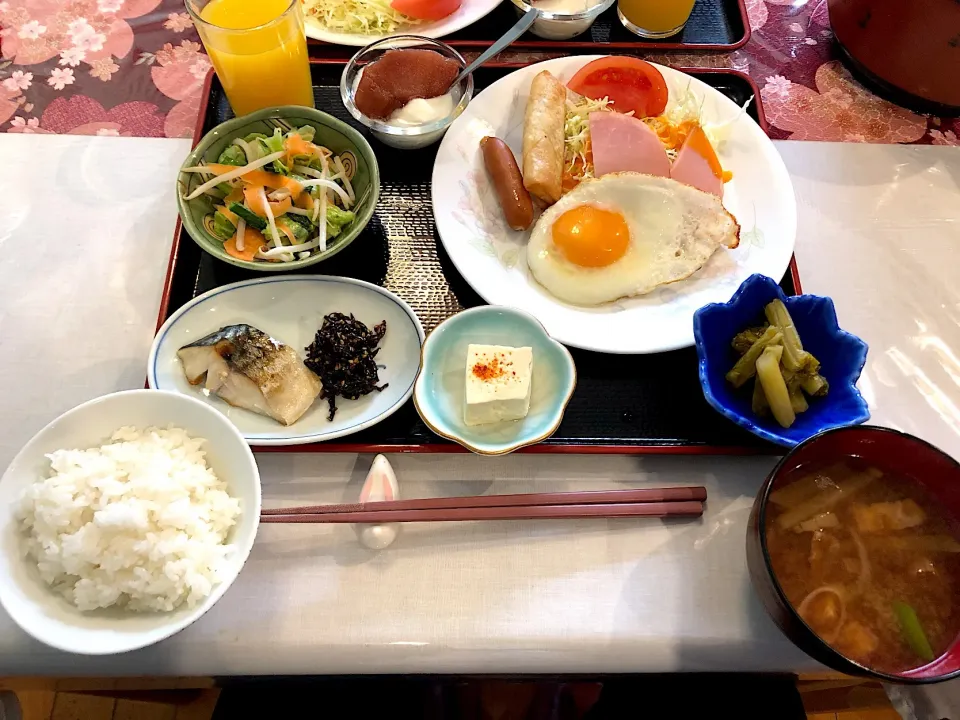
x,y
631,83
426,9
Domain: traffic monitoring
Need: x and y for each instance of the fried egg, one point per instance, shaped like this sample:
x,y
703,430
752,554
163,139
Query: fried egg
x,y
625,234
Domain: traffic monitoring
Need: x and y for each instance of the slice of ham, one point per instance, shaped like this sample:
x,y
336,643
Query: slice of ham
x,y
621,143
697,164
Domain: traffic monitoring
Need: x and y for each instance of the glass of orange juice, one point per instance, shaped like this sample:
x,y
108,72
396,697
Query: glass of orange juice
x,y
654,18
259,50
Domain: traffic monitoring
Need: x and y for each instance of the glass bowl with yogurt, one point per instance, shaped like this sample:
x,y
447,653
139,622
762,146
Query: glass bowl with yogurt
x,y
394,119
563,19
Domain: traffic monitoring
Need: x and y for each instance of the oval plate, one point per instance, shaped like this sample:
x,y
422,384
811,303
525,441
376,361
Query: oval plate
x,y
291,309
470,11
491,257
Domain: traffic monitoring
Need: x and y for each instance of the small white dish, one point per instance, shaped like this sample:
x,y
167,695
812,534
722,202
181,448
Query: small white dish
x,y
47,616
290,308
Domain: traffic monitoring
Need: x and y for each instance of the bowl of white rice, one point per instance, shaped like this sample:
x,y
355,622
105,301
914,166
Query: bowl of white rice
x,y
124,520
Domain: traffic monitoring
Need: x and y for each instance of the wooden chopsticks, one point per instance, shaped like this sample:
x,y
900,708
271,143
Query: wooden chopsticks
x,y
648,502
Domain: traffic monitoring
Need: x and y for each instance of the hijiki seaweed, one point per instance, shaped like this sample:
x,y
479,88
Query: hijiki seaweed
x,y
342,355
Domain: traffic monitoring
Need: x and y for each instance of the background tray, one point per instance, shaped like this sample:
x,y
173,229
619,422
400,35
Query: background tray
x,y
714,25
719,25
623,403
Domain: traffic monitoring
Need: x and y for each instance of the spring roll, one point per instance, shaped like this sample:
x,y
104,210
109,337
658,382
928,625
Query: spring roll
x,y
543,137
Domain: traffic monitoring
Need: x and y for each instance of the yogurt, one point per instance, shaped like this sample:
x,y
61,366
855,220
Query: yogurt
x,y
421,111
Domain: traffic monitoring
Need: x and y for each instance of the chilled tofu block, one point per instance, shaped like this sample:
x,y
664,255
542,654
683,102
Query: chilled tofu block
x,y
498,384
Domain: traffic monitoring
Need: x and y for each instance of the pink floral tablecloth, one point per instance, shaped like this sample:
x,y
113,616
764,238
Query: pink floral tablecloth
x,y
136,67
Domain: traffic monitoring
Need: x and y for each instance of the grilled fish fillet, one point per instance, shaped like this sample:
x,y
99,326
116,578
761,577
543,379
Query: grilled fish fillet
x,y
249,369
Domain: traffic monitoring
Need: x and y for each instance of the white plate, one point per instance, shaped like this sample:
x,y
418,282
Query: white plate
x,y
490,256
470,11
291,309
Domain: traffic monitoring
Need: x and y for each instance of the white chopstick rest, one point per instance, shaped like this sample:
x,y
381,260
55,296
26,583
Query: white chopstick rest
x,y
381,484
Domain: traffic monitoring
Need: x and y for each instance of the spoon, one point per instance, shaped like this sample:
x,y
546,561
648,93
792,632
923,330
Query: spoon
x,y
523,24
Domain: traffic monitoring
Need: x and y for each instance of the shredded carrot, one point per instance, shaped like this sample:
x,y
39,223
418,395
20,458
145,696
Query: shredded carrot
x,y
727,176
296,145
672,136
218,169
251,194
573,175
252,241
281,206
304,201
274,181
227,214
282,227
236,195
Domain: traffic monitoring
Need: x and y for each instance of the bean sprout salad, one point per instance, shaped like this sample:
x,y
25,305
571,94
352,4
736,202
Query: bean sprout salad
x,y
277,198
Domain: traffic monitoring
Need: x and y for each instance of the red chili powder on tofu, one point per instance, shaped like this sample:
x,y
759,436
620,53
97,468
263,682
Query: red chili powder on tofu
x,y
490,370
399,76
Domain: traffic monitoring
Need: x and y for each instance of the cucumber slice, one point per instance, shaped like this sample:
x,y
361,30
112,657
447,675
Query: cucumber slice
x,y
301,220
249,217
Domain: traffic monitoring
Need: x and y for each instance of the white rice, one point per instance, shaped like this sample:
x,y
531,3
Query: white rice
x,y
140,522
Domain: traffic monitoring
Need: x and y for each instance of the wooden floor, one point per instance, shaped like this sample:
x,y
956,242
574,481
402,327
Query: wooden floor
x,y
48,705
114,698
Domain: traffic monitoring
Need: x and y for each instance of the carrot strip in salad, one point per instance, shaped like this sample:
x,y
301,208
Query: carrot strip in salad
x,y
296,145
282,227
253,240
232,175
227,214
254,197
235,195
304,201
274,181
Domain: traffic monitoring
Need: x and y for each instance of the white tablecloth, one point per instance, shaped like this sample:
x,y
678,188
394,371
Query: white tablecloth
x,y
85,227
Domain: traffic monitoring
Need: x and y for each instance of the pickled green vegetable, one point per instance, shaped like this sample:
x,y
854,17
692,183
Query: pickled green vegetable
x,y
774,387
746,366
794,356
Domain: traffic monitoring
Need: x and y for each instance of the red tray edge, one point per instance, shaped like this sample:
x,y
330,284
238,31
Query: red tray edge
x,y
445,448
640,45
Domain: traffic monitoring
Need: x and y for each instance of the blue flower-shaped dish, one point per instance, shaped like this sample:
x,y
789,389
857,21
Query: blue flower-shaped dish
x,y
439,391
841,357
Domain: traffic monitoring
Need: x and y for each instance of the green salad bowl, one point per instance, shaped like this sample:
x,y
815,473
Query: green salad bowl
x,y
330,132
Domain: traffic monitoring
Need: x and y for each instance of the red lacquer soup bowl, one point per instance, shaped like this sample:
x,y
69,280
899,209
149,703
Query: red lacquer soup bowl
x,y
896,455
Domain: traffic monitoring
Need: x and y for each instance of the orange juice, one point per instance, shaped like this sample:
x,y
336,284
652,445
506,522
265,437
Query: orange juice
x,y
259,50
654,18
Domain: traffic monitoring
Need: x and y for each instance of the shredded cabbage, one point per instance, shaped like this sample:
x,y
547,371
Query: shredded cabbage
x,y
367,17
688,108
576,135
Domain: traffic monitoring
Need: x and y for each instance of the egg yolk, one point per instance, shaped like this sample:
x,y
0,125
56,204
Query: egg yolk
x,y
591,237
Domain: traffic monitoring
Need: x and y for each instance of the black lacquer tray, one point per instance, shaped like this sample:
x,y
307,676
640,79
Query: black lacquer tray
x,y
622,404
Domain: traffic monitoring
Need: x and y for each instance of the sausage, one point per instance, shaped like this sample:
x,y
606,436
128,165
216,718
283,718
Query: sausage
x,y
508,182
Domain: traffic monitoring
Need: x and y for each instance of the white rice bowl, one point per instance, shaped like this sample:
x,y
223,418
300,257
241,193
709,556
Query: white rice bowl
x,y
140,522
48,612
